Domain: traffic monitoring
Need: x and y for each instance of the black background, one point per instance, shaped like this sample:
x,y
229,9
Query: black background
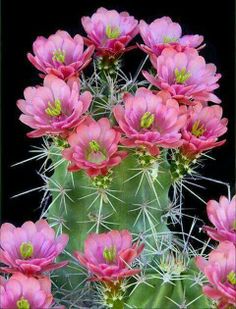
x,y
23,21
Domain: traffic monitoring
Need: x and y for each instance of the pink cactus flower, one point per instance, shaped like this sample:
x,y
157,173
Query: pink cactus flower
x,y
60,54
110,31
55,108
202,129
185,75
31,248
94,148
162,33
151,120
223,216
108,256
220,270
22,292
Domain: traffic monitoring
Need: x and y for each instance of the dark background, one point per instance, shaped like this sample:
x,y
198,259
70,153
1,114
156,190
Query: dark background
x,y
23,21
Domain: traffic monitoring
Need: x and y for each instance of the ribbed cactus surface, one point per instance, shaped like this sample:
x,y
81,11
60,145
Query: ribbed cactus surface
x,y
135,196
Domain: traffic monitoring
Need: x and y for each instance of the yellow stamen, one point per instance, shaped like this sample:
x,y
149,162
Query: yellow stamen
x,y
232,277
147,120
167,39
26,250
94,146
59,56
22,303
234,225
198,129
181,76
54,109
109,254
112,32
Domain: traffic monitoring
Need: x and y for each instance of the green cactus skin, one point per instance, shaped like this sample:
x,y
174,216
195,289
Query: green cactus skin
x,y
168,296
86,201
185,293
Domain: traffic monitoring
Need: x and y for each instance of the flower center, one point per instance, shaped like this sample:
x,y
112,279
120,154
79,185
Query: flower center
x,y
59,56
22,303
232,277
94,146
95,153
198,129
109,254
54,109
147,120
167,39
26,250
234,225
112,32
181,76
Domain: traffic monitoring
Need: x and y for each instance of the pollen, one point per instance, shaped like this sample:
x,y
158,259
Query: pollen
x,y
147,120
109,254
181,76
26,250
22,303
59,56
94,146
167,39
112,32
232,277
198,129
54,109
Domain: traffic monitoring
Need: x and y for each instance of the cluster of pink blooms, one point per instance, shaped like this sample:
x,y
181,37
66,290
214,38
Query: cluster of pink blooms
x,y
28,252
220,268
175,115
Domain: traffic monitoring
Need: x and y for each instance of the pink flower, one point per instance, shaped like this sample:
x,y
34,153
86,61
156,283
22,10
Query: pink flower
x,y
202,129
223,216
162,33
220,271
110,31
151,120
31,248
60,54
185,75
108,256
55,108
24,292
94,147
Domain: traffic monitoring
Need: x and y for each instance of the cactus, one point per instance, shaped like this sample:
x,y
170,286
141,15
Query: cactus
x,y
135,195
119,152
